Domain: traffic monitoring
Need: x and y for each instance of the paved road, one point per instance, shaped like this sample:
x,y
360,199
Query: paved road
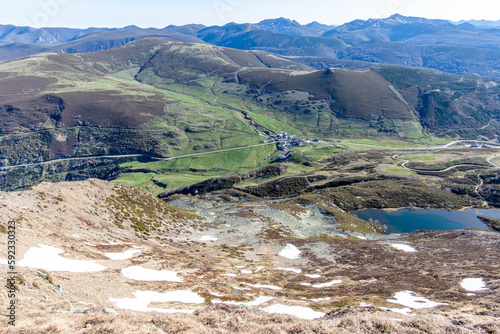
x,y
443,147
35,164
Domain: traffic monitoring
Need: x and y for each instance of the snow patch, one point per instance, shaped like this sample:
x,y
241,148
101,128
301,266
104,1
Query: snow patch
x,y
404,248
473,284
144,298
122,256
246,271
216,294
371,281
410,299
290,252
298,311
48,258
313,275
317,300
328,284
272,287
138,273
208,238
405,311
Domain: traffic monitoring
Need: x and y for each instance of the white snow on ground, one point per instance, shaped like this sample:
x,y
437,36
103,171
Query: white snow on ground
x,y
258,301
473,284
306,284
313,275
208,238
216,294
404,311
328,284
76,236
231,275
404,248
410,299
144,298
371,281
290,252
360,237
317,300
242,289
91,245
298,311
138,273
48,258
272,287
297,271
246,271
364,304
122,256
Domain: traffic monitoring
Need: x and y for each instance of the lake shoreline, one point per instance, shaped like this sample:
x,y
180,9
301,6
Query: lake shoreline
x,y
407,220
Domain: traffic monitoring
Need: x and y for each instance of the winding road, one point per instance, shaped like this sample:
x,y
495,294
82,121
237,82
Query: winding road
x,y
35,164
443,147
476,190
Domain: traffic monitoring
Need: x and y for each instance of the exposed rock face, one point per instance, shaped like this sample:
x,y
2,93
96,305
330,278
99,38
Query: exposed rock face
x,y
218,183
493,224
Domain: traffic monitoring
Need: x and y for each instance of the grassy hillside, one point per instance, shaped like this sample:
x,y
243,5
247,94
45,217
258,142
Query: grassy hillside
x,y
161,98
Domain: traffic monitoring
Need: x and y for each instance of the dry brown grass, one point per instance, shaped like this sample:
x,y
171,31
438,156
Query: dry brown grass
x,y
235,319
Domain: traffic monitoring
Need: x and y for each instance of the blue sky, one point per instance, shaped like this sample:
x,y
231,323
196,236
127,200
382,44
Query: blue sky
x,y
160,13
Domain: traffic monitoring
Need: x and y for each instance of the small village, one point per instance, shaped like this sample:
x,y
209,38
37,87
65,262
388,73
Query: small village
x,y
285,142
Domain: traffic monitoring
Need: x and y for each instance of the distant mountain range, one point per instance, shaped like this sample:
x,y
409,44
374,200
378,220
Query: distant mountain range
x,y
484,23
465,48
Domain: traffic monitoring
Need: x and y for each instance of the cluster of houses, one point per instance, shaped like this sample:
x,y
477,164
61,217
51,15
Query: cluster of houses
x,y
285,141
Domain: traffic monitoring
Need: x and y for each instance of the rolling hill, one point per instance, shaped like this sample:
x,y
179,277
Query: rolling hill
x,y
168,95
161,98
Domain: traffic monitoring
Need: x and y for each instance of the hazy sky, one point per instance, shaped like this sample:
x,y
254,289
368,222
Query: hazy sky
x,y
160,13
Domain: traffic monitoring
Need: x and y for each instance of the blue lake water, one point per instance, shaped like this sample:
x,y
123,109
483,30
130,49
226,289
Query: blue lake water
x,y
409,220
